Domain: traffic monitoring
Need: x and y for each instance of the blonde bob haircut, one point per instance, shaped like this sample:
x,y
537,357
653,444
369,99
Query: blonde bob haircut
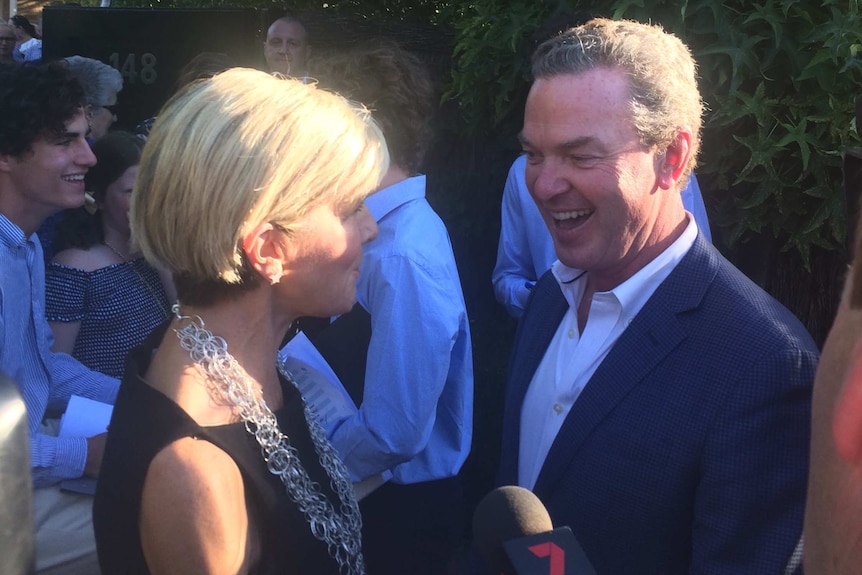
x,y
239,149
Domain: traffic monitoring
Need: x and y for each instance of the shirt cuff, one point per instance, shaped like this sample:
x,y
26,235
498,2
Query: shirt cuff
x,y
108,389
68,457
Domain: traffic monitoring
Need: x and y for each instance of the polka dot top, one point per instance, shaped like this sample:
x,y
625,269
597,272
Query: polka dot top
x,y
117,305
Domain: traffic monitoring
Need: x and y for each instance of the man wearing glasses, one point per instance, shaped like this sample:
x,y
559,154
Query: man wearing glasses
x,y
101,84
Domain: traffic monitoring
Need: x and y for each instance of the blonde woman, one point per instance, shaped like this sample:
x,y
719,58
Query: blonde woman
x,y
250,191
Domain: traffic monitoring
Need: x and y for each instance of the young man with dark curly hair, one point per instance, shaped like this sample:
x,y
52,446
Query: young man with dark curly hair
x,y
43,159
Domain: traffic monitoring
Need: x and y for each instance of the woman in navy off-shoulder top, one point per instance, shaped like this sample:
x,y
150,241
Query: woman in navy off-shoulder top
x,y
101,299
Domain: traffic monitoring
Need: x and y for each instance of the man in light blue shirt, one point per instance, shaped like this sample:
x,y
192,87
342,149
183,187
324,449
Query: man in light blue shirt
x,y
43,158
414,386
526,251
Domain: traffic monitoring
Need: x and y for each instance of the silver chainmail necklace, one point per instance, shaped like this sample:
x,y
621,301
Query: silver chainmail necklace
x,y
339,528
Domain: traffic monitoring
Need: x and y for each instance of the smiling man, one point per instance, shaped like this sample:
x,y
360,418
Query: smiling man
x,y
657,401
43,159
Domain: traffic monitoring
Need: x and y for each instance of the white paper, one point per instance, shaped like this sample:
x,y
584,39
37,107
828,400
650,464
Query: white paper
x,y
85,417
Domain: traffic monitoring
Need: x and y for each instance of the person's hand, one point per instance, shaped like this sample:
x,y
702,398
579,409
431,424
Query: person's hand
x,y
95,450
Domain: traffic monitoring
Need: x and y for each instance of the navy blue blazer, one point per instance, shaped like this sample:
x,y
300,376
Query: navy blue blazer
x,y
687,451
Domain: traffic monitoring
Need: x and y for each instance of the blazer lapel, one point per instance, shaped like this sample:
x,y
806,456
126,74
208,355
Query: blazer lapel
x,y
544,312
645,343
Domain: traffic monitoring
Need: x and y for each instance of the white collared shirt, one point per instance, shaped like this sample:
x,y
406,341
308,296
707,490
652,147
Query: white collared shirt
x,y
572,358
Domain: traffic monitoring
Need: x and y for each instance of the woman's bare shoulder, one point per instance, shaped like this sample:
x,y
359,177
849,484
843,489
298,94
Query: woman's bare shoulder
x,y
193,512
89,260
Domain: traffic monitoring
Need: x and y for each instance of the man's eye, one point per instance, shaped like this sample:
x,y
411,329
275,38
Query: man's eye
x,y
584,161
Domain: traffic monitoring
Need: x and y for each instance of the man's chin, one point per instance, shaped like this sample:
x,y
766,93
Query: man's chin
x,y
280,69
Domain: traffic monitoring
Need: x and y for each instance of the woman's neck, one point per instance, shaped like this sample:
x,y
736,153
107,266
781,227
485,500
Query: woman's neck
x,y
117,242
250,328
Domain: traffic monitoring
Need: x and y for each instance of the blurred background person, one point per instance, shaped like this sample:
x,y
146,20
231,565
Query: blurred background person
x,y
259,215
102,297
101,85
833,530
29,46
7,44
404,352
286,48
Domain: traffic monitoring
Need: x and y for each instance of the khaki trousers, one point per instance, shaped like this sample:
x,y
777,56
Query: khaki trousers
x,y
64,542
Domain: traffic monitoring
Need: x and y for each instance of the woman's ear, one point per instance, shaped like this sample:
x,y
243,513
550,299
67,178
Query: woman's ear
x,y
674,160
264,246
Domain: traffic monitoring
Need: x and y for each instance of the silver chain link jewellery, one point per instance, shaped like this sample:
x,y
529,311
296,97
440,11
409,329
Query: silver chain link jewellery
x,y
339,528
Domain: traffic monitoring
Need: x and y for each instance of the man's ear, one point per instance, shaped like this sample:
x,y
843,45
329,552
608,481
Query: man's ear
x,y
674,159
847,419
264,246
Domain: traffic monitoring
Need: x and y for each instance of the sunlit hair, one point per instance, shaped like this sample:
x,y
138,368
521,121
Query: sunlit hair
x,y
660,70
237,150
98,79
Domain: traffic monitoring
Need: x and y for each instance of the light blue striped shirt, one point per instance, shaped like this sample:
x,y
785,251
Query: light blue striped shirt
x,y
46,379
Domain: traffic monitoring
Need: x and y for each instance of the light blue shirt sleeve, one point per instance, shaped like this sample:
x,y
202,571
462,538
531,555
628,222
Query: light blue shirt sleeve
x,y
415,419
46,379
525,250
413,328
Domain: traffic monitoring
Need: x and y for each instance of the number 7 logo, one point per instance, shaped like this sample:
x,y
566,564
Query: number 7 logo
x,y
558,556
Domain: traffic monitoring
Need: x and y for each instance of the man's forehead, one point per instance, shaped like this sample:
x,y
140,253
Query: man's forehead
x,y
595,97
286,29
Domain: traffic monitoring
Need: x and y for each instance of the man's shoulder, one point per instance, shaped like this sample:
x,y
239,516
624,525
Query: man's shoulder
x,y
412,231
731,303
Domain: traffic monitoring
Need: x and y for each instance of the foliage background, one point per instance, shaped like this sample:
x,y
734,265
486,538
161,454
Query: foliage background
x,y
779,78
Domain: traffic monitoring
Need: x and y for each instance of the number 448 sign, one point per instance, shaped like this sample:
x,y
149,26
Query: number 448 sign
x,y
135,67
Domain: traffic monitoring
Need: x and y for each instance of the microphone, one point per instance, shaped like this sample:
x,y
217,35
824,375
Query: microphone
x,y
16,488
514,534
